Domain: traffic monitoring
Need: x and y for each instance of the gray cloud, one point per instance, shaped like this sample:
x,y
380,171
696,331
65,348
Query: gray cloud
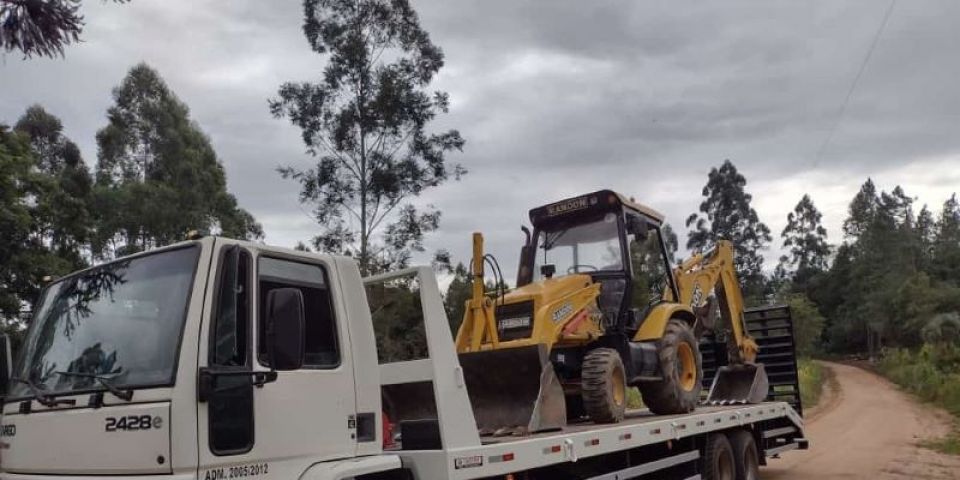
x,y
557,98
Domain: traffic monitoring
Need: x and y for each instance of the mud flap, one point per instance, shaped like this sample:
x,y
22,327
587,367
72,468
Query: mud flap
x,y
738,384
514,390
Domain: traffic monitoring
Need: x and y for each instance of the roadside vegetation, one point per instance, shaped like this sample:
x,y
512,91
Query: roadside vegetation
x,y
813,376
932,373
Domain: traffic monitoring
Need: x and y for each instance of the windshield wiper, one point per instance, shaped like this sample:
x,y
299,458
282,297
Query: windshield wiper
x,y
44,398
105,381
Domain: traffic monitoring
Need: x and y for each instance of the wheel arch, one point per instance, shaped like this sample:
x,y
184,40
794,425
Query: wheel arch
x,y
656,321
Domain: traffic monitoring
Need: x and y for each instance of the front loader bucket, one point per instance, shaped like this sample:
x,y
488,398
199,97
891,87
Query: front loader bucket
x,y
514,390
736,384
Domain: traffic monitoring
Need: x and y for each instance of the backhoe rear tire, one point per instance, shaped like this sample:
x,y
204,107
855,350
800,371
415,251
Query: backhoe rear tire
x,y
681,371
604,386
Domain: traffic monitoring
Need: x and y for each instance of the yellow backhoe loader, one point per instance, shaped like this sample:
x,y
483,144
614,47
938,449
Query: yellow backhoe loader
x,y
597,309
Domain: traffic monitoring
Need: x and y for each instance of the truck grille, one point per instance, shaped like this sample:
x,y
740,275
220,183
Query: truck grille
x,y
514,320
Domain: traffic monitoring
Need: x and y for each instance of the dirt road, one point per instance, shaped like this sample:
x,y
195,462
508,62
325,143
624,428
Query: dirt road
x,y
867,429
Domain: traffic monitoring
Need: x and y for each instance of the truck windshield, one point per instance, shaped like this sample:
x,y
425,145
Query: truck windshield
x,y
583,248
121,320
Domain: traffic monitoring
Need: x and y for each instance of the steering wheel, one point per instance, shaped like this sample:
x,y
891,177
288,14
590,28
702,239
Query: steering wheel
x,y
575,268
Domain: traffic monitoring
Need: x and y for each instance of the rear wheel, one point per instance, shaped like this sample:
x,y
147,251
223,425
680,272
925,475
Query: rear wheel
x,y
718,462
746,458
680,369
604,386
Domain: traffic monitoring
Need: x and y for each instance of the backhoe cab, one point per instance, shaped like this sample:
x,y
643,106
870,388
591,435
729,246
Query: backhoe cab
x,y
596,310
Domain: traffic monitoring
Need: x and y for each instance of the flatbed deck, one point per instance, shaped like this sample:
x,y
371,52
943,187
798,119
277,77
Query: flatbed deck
x,y
643,417
502,455
446,429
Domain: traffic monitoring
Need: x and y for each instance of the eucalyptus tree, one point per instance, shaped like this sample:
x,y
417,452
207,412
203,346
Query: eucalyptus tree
x,y
365,121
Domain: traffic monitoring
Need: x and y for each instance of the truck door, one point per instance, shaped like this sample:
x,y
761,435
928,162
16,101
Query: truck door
x,y
255,423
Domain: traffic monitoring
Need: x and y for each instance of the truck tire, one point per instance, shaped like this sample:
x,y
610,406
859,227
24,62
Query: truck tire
x,y
681,372
717,462
604,386
746,458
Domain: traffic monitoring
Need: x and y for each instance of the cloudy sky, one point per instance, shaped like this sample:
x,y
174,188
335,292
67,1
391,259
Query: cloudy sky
x,y
557,98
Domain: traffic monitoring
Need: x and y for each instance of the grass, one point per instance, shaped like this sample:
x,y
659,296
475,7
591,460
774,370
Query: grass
x,y
949,444
932,373
633,398
812,379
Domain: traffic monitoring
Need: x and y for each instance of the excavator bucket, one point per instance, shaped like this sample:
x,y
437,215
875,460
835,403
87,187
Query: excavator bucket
x,y
737,384
514,391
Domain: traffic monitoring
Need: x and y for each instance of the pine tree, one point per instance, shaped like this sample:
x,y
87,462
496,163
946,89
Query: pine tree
x,y
63,222
158,177
725,213
30,249
16,162
926,233
806,240
40,27
458,292
862,210
946,242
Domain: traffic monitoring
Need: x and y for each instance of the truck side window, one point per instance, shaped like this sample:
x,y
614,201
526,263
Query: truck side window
x,y
232,322
231,403
321,349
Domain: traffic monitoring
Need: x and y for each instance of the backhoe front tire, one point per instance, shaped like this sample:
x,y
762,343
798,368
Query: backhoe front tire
x,y
681,371
604,386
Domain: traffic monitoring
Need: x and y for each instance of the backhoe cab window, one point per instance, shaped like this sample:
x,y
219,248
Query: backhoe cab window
x,y
321,349
648,265
588,247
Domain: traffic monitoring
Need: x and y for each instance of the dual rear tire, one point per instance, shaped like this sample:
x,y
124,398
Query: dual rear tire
x,y
731,456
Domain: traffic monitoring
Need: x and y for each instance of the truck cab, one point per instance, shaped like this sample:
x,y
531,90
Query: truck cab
x,y
204,359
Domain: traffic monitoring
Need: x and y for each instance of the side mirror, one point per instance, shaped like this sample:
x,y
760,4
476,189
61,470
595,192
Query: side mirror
x,y
285,328
5,364
548,270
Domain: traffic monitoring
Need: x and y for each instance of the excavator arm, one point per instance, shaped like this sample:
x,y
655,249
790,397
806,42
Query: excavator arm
x,y
708,282
712,273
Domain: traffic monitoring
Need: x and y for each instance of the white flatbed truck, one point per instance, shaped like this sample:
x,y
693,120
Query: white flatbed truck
x,y
216,359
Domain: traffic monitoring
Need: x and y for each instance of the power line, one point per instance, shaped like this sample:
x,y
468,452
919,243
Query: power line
x,y
853,85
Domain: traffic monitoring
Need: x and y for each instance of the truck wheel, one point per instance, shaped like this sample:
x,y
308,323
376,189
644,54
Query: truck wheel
x,y
604,386
680,369
745,455
717,462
